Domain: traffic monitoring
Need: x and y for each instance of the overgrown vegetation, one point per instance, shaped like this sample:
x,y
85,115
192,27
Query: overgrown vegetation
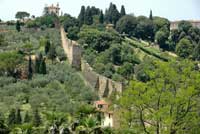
x,y
36,90
166,103
40,93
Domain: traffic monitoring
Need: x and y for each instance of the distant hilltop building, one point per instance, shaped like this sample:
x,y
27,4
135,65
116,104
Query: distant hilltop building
x,y
52,9
174,24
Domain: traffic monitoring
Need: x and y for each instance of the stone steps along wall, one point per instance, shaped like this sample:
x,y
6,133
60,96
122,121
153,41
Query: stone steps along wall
x,y
102,84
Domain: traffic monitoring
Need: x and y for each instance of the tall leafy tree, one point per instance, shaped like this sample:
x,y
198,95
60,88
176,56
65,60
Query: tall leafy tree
x,y
184,26
73,33
81,16
174,35
126,70
97,39
69,21
88,16
161,38
184,48
168,103
127,25
123,11
9,61
144,29
159,23
21,15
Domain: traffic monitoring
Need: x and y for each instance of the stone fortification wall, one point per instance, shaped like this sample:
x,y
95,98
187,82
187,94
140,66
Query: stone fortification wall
x,y
90,75
103,85
72,50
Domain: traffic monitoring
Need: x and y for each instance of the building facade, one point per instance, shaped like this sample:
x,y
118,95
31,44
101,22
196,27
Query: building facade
x,y
52,9
174,24
103,108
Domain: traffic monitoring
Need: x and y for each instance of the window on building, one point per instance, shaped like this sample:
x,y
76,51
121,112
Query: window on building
x,y
100,106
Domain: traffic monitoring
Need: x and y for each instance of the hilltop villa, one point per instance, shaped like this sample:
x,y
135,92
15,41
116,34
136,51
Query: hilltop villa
x,y
52,9
195,23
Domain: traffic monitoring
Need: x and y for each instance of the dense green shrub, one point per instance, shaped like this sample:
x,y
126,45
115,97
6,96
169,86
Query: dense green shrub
x,y
96,39
9,62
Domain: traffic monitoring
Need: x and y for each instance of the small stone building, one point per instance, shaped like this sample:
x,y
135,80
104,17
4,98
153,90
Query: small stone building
x,y
107,115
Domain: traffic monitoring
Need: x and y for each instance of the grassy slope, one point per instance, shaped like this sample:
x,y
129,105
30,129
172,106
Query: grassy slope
x,y
143,50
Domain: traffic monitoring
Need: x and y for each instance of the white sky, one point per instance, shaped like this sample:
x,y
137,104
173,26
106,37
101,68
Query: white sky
x,y
171,9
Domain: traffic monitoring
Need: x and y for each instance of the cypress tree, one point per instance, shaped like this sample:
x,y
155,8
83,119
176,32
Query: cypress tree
x,y
101,17
37,65
108,15
18,27
151,15
47,46
38,60
52,52
11,117
30,70
123,11
115,14
81,16
112,15
27,118
42,69
36,118
88,16
18,117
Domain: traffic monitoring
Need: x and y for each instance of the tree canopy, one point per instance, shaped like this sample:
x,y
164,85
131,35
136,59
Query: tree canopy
x,y
21,15
126,25
184,48
168,103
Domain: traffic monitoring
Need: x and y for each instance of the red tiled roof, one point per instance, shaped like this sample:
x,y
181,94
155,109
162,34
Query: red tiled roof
x,y
101,102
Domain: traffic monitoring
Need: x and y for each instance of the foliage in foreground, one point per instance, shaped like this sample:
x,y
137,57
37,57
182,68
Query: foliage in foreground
x,y
167,103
